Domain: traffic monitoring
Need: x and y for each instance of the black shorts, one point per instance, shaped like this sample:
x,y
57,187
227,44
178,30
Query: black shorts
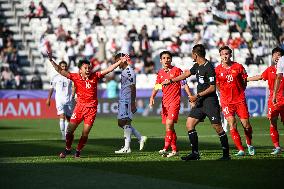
x,y
208,107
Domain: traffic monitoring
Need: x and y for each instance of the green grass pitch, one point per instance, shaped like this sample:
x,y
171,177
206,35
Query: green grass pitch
x,y
29,152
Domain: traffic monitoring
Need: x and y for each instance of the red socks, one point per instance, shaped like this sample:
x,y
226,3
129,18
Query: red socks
x,y
82,142
248,133
237,139
168,139
69,140
171,140
174,141
274,136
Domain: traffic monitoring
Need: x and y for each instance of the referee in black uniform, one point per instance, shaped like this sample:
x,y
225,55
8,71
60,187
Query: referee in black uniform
x,y
205,102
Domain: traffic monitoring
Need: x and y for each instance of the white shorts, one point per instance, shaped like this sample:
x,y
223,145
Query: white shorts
x,y
124,110
63,108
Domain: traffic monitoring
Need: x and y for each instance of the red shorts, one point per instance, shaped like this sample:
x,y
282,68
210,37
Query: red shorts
x,y
241,109
275,111
171,112
83,112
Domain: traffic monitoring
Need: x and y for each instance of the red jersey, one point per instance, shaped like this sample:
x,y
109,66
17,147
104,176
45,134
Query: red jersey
x,y
230,81
171,92
270,75
86,89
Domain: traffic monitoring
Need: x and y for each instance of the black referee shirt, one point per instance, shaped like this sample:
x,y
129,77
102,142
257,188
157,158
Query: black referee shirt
x,y
205,75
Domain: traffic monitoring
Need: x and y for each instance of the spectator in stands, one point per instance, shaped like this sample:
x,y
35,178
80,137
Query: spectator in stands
x,y
7,78
101,53
41,11
166,11
241,24
174,47
60,33
220,43
36,82
89,49
155,34
191,24
62,11
260,53
100,5
122,5
232,26
111,87
117,21
133,34
87,24
249,59
131,5
97,20
18,80
70,51
32,9
78,26
49,26
149,66
144,47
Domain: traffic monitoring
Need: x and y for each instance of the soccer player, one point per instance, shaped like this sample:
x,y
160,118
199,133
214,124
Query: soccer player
x,y
231,82
206,102
170,101
63,98
86,107
127,105
280,72
274,110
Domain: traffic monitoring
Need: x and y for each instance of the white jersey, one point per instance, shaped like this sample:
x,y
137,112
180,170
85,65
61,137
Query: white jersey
x,y
280,65
63,88
128,78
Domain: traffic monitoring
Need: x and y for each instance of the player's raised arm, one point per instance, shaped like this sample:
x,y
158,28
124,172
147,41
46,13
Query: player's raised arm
x,y
116,64
56,66
254,78
183,76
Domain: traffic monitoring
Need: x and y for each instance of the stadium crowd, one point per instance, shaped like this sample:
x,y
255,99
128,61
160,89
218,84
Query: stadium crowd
x,y
81,38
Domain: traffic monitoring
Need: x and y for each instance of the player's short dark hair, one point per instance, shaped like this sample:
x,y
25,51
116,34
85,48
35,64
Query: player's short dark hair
x,y
83,61
166,52
199,49
118,56
62,62
278,49
225,48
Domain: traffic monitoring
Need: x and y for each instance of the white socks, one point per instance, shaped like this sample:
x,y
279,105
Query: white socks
x,y
135,133
62,126
66,126
127,136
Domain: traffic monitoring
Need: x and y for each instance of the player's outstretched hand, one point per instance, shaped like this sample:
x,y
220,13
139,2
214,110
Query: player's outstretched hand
x,y
192,98
126,58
